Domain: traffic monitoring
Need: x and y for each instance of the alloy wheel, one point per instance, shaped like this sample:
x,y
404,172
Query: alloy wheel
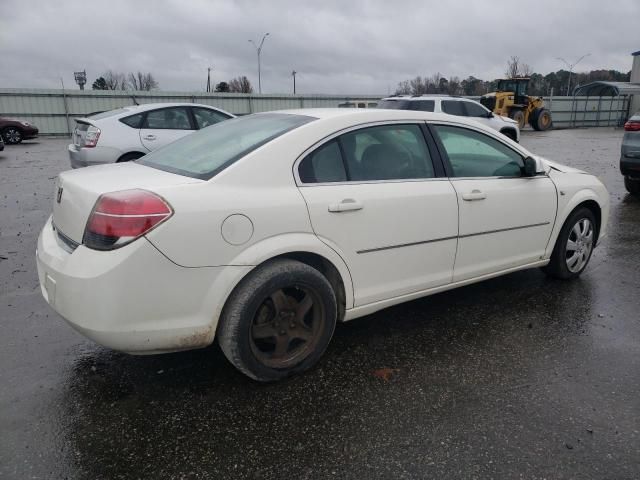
x,y
287,326
579,245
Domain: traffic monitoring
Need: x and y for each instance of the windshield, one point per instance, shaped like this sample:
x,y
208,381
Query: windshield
x,y
420,105
209,151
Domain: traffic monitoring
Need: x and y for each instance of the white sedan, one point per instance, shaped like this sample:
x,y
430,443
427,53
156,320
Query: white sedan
x,y
264,231
128,133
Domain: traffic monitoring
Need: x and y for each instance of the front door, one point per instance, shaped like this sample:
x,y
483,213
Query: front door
x,y
165,125
374,197
505,218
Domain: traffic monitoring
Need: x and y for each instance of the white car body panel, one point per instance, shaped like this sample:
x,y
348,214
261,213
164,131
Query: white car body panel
x,y
166,291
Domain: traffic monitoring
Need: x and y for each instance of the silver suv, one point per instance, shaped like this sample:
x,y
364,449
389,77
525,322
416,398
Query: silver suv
x,y
462,107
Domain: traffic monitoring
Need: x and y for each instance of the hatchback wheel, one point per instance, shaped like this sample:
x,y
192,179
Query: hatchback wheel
x,y
12,135
574,245
278,321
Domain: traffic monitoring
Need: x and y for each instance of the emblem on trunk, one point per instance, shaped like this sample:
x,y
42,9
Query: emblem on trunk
x,y
59,197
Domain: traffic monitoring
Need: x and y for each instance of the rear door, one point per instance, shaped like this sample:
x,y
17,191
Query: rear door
x,y
505,218
165,125
376,197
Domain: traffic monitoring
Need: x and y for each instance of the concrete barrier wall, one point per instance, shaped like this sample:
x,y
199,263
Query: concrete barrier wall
x,y
52,111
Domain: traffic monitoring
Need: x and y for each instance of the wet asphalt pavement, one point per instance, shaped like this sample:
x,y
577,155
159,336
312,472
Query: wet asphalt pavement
x,y
517,377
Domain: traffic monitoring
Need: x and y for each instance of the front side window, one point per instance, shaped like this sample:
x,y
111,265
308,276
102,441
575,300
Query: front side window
x,y
475,110
207,152
474,154
176,118
206,116
388,152
453,107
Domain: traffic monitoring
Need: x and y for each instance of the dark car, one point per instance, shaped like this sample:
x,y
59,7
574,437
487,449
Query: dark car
x,y
14,131
630,155
1,144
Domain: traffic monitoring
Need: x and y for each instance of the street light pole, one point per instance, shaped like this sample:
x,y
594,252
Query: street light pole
x,y
293,74
570,66
259,51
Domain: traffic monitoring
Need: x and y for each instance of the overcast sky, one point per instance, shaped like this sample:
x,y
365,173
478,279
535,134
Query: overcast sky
x,y
348,46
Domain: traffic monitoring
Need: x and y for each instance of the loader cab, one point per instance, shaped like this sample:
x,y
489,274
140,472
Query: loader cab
x,y
516,85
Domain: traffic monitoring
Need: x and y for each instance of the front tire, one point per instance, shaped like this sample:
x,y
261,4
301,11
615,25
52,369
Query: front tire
x,y
632,185
278,321
518,116
574,245
541,119
12,135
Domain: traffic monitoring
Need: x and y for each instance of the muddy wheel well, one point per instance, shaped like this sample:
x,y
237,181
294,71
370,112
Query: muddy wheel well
x,y
595,209
330,272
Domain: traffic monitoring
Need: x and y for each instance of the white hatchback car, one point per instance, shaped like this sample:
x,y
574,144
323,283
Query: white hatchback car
x,y
266,230
459,106
128,133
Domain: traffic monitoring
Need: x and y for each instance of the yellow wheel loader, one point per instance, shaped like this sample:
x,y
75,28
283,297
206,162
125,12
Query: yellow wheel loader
x,y
511,100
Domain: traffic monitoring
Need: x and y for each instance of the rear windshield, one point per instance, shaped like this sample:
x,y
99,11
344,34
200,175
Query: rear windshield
x,y
420,105
207,152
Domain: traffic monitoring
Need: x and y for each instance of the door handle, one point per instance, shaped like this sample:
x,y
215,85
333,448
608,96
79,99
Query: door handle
x,y
474,195
346,205
149,137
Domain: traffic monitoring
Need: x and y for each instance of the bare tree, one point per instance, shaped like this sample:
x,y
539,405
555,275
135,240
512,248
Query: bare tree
x,y
525,70
142,81
240,85
114,80
454,86
513,67
404,88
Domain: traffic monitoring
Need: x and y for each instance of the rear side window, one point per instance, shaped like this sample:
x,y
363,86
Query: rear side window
x,y
324,165
453,107
474,154
207,152
387,152
422,105
133,121
176,118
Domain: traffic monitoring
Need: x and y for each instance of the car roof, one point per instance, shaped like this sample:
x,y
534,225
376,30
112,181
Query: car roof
x,y
358,115
151,106
434,96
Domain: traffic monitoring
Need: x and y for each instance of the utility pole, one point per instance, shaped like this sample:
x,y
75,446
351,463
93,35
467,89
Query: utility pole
x,y
259,51
208,79
570,67
293,74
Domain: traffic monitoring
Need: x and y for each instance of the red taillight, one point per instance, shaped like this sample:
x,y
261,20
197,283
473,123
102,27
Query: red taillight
x,y
632,126
92,136
120,217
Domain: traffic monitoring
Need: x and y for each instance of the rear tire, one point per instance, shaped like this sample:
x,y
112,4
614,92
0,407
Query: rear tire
x,y
574,246
12,135
278,321
518,116
128,157
541,119
632,185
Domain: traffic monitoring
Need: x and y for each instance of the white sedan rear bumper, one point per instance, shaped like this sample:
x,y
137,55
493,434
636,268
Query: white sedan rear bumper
x,y
131,299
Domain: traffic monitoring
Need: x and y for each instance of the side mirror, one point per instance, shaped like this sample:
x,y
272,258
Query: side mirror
x,y
532,167
490,115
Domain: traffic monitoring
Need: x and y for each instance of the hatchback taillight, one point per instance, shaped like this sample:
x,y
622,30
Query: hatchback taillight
x,y
119,218
92,136
632,126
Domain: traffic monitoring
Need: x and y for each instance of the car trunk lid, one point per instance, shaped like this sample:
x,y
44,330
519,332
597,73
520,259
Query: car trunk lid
x,y
77,191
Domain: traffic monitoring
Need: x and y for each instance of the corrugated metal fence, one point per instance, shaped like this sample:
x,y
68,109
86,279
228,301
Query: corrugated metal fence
x,y
53,110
